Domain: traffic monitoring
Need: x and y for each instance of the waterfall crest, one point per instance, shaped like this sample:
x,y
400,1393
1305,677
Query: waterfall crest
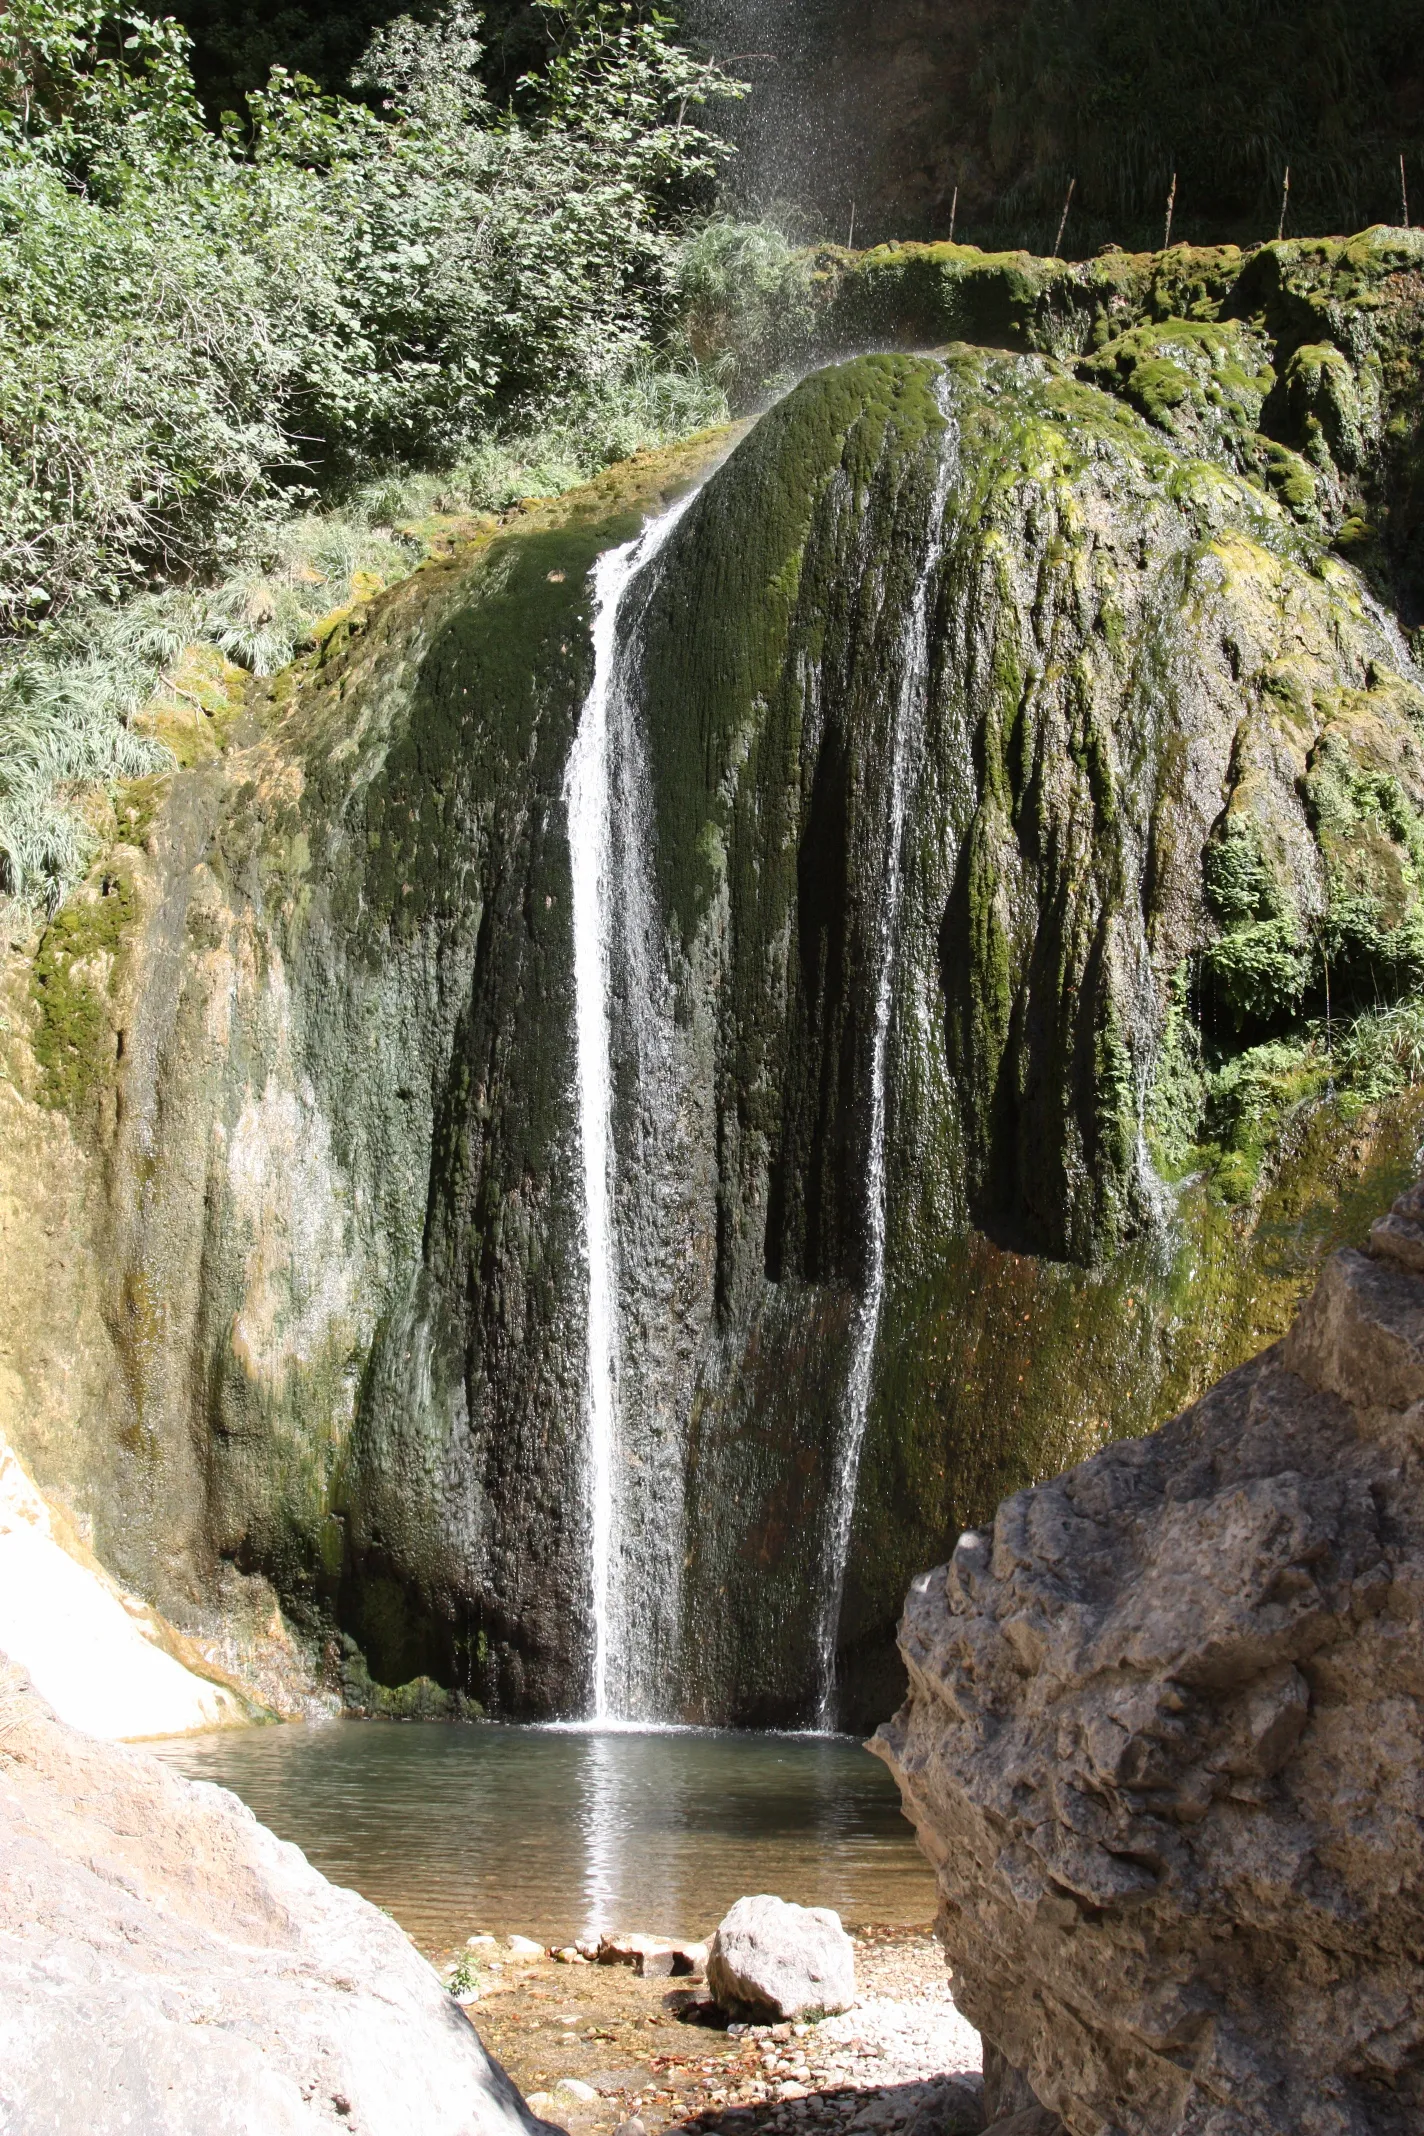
x,y
589,796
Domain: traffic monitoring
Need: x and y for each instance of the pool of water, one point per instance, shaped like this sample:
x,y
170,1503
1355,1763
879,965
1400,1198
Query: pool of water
x,y
558,1833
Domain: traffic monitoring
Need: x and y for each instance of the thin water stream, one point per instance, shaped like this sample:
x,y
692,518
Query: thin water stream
x,y
905,733
588,792
606,897
559,1832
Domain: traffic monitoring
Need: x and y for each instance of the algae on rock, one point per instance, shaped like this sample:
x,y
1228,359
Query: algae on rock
x,y
1114,625
1160,874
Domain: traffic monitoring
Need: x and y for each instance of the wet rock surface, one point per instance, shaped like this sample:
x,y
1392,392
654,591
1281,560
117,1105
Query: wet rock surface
x,y
167,1964
1163,820
1164,1745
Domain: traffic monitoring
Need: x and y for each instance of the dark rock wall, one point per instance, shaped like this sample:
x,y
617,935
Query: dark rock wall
x,y
1094,611
896,106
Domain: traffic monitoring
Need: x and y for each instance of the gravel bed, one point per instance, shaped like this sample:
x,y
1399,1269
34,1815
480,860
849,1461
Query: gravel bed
x,y
620,2052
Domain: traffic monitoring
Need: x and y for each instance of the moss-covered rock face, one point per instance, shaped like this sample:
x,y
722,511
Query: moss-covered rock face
x,y
1076,617
1296,364
309,1040
1134,866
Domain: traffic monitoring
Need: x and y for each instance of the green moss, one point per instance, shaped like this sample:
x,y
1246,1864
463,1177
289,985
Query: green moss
x,y
1297,363
1292,479
136,806
997,1370
422,1699
1258,973
1249,1101
1204,384
1372,837
1240,884
72,983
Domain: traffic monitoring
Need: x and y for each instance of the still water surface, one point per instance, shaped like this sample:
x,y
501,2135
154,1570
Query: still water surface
x,y
558,1833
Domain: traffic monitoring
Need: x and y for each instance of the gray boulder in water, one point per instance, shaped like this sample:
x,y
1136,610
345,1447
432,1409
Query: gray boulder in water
x,y
1164,1745
769,1955
167,1964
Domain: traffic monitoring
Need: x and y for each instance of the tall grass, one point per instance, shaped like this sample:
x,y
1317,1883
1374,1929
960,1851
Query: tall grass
x,y
71,700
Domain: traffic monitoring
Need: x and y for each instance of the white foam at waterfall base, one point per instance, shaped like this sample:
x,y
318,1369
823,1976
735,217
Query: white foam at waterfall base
x,y
905,729
588,794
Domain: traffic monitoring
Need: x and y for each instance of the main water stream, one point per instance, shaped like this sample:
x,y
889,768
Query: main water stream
x,y
596,897
557,1833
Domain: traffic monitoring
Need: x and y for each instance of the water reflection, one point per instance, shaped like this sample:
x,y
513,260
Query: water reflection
x,y
557,1833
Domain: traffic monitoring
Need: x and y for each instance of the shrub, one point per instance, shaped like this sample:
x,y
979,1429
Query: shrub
x,y
746,296
230,360
196,326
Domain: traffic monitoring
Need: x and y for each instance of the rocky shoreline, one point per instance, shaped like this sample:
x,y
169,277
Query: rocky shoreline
x,y
597,2047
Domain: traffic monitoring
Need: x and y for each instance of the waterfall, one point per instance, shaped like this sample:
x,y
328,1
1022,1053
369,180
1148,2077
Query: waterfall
x,y
905,729
588,793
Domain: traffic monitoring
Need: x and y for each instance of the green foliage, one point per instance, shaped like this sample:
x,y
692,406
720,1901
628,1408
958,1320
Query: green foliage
x,y
71,979
236,360
64,727
69,696
191,324
1372,940
1240,885
747,300
465,1976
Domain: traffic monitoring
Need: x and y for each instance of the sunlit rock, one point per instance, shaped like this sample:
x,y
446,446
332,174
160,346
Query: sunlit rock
x,y
770,1955
1165,1747
167,1963
105,1662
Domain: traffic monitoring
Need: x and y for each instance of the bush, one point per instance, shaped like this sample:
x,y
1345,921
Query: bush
x,y
232,360
746,298
196,326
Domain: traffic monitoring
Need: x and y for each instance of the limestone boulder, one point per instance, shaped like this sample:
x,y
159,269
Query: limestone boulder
x,y
104,1661
1164,1745
768,1955
167,1965
654,1957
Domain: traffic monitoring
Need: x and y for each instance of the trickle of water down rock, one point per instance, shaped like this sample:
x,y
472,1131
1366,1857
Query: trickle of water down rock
x,y
911,696
610,822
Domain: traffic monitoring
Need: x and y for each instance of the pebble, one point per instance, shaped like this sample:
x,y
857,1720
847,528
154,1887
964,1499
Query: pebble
x,y
887,2067
523,1947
